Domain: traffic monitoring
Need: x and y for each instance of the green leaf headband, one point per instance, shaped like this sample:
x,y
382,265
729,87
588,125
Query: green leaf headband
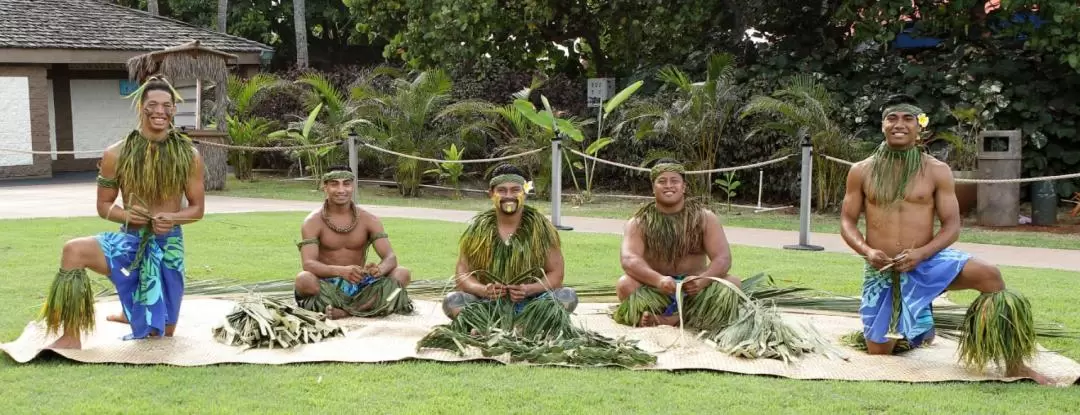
x,y
338,175
506,178
659,169
137,94
909,109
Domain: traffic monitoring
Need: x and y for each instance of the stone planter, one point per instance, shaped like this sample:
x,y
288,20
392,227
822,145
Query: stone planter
x,y
967,194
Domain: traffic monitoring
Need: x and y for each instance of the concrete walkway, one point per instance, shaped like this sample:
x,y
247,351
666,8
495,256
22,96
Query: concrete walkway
x,y
75,198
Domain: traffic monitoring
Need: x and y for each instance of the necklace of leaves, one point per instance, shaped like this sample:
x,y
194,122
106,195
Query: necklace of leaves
x,y
335,228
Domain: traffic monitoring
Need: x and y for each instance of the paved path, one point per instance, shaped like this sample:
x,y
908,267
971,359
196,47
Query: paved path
x,y
74,198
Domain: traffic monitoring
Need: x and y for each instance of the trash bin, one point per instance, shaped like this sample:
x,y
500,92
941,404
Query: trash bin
x,y
1043,203
999,155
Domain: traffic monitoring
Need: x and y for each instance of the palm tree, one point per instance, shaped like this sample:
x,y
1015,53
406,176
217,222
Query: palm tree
x,y
222,15
512,133
696,121
300,21
243,128
338,118
405,120
152,7
802,103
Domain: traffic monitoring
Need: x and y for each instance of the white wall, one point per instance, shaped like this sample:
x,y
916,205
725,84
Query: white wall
x,y
100,116
15,120
52,117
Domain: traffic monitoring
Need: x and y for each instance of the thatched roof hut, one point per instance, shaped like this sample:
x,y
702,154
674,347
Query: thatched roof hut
x,y
192,61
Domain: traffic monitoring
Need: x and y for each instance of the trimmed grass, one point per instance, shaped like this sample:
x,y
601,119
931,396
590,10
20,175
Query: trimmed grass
x,y
621,208
254,247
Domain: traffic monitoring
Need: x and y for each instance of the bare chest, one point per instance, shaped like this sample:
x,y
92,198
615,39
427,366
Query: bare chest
x,y
355,240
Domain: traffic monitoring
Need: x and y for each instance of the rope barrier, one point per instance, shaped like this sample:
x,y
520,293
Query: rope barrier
x,y
985,181
721,170
50,152
278,148
488,160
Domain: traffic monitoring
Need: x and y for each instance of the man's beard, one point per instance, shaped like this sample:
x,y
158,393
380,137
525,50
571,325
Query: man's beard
x,y
508,205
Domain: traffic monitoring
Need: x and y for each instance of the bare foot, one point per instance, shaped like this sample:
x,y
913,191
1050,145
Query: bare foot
x,y
67,342
335,313
1027,372
169,330
117,318
647,320
671,320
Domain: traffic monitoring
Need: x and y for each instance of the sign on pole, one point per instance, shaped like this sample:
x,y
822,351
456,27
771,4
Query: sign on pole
x,y
600,90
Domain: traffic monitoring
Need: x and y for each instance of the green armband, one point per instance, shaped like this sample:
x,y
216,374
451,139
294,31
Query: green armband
x,y
107,182
377,235
312,241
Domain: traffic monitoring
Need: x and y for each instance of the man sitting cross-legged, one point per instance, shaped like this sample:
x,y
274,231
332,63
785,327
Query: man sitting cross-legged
x,y
511,250
669,240
336,237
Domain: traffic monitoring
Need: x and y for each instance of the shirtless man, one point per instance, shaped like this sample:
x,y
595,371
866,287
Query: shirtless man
x,y
149,281
669,240
336,238
901,190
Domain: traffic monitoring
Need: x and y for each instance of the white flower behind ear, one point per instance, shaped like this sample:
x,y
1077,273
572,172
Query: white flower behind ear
x,y
923,120
528,186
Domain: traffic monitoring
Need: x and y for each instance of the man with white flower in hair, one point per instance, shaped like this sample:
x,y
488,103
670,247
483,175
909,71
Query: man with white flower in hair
x,y
509,252
901,190
671,239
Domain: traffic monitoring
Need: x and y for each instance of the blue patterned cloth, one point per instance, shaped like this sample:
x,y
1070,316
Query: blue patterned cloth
x,y
151,291
350,289
918,288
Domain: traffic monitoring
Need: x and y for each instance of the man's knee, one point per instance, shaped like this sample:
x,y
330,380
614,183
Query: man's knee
x,y
455,301
83,252
567,297
880,348
307,284
625,286
986,277
402,275
734,280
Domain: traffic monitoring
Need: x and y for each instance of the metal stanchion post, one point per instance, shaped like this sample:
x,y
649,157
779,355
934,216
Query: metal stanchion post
x,y
804,203
556,182
354,165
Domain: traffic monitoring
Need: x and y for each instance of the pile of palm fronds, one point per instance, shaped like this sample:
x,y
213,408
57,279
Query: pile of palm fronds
x,y
744,326
760,332
260,322
541,333
585,348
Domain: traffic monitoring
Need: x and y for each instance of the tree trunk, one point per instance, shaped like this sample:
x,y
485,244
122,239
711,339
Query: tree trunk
x,y
222,15
152,7
299,20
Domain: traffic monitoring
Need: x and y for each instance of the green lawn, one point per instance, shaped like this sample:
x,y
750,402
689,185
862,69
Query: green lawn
x,y
619,208
254,247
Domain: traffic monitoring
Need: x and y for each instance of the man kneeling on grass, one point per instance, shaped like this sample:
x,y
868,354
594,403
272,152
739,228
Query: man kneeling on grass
x,y
671,239
334,248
